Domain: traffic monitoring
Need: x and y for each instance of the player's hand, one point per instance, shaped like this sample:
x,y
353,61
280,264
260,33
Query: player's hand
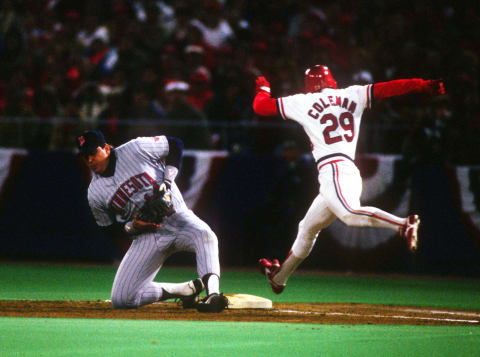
x,y
143,226
434,87
166,185
165,190
262,85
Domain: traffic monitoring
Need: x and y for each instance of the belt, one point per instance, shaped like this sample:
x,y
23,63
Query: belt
x,y
330,156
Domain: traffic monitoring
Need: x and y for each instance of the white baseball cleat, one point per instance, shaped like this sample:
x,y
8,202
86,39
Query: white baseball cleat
x,y
409,231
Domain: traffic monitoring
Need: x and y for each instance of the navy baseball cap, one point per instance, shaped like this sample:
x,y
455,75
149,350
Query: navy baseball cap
x,y
88,142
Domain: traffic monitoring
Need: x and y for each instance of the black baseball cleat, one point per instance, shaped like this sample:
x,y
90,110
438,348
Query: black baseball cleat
x,y
190,301
213,303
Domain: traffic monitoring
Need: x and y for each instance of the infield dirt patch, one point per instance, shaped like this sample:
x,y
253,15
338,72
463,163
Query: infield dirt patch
x,y
314,313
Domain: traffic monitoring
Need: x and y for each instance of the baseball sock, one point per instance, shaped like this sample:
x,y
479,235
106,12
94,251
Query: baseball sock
x,y
172,290
212,283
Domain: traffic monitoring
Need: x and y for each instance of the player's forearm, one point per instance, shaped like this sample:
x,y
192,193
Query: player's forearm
x,y
264,105
398,87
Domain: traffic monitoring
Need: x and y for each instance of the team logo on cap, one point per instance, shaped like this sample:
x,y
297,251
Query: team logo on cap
x,y
81,140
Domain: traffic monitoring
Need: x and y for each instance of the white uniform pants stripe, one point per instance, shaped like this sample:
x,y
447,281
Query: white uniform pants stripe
x,y
340,190
377,217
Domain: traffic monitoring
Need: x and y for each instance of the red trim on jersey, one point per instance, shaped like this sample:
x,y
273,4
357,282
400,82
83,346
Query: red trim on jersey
x,y
264,105
398,87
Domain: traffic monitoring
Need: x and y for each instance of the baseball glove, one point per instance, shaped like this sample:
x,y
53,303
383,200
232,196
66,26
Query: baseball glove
x,y
158,206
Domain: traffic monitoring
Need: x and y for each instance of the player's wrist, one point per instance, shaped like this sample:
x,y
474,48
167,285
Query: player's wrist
x,y
262,85
170,174
130,228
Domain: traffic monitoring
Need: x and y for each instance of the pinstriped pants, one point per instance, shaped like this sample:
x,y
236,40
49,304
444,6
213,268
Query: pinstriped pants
x,y
133,284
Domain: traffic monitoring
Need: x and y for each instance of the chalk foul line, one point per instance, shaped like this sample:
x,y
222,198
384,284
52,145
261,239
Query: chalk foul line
x,y
385,316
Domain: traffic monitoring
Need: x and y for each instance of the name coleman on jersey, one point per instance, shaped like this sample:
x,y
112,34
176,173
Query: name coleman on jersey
x,y
318,107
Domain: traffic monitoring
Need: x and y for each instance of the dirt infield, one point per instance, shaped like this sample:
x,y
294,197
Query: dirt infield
x,y
315,313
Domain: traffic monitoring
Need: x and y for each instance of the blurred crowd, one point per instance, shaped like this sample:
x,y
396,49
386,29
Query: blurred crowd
x,y
187,68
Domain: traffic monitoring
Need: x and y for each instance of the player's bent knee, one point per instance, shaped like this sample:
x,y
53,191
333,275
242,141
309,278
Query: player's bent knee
x,y
209,236
122,302
307,232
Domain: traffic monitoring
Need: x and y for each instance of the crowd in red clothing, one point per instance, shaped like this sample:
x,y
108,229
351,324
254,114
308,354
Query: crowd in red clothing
x,y
107,63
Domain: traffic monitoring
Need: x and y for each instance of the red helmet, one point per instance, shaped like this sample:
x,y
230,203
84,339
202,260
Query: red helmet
x,y
319,77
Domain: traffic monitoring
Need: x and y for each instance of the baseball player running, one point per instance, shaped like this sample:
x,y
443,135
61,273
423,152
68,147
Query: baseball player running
x,y
331,118
133,192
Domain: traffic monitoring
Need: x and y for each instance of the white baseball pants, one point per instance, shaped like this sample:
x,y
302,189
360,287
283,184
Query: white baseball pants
x,y
339,197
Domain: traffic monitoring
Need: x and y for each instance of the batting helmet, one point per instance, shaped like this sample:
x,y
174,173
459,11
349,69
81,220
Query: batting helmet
x,y
319,77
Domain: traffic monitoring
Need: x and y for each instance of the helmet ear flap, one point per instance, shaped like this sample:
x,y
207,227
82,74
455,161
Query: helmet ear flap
x,y
319,77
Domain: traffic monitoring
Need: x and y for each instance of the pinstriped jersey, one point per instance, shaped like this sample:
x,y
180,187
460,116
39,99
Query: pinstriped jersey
x,y
331,118
139,166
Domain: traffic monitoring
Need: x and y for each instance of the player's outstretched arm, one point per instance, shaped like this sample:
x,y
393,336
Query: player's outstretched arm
x,y
263,104
405,86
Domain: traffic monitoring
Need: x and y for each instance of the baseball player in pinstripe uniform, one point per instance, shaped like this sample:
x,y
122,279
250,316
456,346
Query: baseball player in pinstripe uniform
x,y
124,180
331,118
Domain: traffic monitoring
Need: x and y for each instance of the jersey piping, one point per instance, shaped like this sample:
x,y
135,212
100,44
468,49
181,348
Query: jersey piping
x,y
343,201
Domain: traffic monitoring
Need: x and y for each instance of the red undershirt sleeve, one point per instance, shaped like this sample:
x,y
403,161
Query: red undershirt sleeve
x,y
398,87
264,105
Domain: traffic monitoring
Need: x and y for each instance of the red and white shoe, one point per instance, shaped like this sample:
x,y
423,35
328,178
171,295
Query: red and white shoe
x,y
270,268
409,231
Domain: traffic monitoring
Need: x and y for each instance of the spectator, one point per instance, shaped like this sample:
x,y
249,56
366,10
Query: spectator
x,y
92,30
230,106
200,93
427,142
195,60
12,51
64,45
194,128
112,117
90,102
215,28
145,111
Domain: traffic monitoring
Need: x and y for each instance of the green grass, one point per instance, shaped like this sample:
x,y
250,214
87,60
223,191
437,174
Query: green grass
x,y
81,337
43,282
100,337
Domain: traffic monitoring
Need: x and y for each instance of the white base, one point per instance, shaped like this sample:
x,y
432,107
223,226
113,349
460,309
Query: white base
x,y
246,301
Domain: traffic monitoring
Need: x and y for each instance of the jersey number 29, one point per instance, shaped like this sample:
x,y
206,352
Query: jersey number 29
x,y
345,120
